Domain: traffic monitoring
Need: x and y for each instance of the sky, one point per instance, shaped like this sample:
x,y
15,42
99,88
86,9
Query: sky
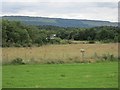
x,y
105,10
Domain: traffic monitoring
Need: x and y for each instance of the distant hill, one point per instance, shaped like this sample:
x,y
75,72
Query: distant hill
x,y
59,21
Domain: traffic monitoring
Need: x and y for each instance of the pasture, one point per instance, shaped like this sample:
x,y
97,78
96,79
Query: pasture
x,y
38,73
67,53
92,75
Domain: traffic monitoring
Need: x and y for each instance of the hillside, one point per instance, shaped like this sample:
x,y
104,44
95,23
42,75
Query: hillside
x,y
59,22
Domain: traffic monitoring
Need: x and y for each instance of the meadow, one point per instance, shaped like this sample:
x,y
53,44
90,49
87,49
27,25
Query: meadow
x,y
92,75
38,72
67,53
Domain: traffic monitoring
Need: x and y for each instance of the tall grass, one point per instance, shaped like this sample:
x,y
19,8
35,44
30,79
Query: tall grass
x,y
59,53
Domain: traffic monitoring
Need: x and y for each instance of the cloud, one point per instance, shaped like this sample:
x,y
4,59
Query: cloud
x,y
60,1
75,10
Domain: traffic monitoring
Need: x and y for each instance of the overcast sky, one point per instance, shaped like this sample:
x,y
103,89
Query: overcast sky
x,y
74,9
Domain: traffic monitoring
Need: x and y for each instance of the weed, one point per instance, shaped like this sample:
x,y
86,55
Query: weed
x,y
18,61
68,53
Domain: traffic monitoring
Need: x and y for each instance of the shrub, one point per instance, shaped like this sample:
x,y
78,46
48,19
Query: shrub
x,y
63,42
66,42
60,62
107,41
105,57
18,61
50,62
29,44
91,42
55,41
17,45
24,45
109,57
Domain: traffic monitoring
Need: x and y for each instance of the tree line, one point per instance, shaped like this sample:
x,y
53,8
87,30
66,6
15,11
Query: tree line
x,y
15,33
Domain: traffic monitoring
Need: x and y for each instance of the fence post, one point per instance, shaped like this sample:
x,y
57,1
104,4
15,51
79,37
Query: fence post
x,y
82,52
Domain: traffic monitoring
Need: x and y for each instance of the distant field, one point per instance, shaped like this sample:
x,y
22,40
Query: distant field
x,y
66,53
93,75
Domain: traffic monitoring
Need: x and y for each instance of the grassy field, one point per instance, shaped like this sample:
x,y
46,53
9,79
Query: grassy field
x,y
66,53
67,75
93,75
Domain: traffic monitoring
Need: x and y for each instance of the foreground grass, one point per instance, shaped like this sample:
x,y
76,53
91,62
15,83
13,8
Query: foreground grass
x,y
93,75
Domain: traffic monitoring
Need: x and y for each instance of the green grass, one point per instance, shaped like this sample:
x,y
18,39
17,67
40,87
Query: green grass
x,y
93,75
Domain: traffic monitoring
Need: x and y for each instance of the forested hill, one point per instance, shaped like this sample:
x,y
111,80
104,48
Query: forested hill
x,y
14,33
59,22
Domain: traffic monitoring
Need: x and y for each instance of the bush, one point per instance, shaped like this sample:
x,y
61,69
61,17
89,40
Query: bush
x,y
91,42
109,57
66,42
107,41
18,61
105,57
55,41
50,62
17,45
63,42
29,44
54,62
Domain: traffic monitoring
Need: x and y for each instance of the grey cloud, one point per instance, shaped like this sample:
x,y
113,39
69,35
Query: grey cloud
x,y
60,9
